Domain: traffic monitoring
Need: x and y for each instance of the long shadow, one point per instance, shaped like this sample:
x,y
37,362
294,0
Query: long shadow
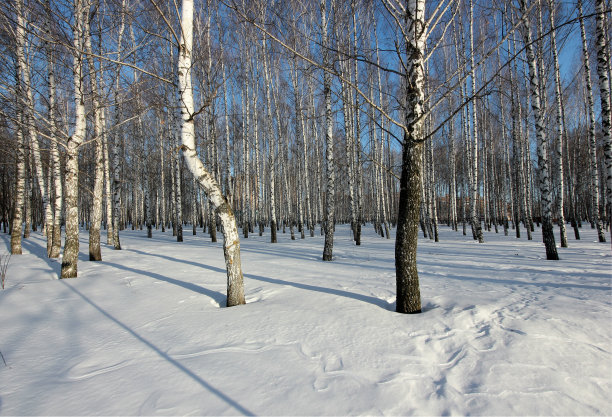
x,y
41,253
217,296
242,410
537,284
180,261
365,298
341,293
524,272
280,253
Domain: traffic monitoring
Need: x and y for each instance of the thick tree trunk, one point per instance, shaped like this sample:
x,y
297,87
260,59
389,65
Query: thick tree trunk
x,y
231,243
543,179
407,278
71,246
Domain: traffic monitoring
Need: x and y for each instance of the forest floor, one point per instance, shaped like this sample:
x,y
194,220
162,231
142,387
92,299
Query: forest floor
x,y
145,331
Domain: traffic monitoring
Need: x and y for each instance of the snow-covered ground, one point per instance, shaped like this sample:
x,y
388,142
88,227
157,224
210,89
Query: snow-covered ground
x,y
144,332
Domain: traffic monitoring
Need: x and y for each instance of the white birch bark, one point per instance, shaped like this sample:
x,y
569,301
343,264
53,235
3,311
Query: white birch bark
x,y
162,187
329,138
603,71
20,171
107,183
543,179
560,128
28,110
116,219
56,228
178,203
246,226
407,278
71,246
357,136
271,141
594,173
231,243
95,253
476,227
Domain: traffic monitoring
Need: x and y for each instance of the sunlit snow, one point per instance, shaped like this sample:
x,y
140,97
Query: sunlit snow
x,y
144,332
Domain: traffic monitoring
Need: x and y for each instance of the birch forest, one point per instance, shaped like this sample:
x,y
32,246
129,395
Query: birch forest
x,y
230,118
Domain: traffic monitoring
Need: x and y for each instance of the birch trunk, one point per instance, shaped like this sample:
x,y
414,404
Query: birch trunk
x,y
596,218
543,180
116,220
476,227
407,278
28,113
357,136
95,252
71,246
329,138
17,219
603,68
231,241
246,222
560,128
53,251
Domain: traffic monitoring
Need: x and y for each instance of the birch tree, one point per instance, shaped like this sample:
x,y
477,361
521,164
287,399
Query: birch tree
x,y
95,253
407,277
20,170
603,71
538,112
28,109
329,138
71,246
231,239
592,145
560,127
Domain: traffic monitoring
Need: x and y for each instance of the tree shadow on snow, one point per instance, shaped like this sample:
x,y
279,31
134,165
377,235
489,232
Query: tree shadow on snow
x,y
510,282
233,403
333,291
342,293
221,299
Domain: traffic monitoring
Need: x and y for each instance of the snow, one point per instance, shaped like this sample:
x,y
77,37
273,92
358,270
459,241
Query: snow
x,y
144,332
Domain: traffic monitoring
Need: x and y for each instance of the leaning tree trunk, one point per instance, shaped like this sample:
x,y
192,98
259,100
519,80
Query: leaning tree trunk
x,y
71,246
28,115
231,241
538,112
603,66
406,274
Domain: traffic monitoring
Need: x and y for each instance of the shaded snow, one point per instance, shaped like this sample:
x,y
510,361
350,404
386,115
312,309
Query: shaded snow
x,y
503,330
